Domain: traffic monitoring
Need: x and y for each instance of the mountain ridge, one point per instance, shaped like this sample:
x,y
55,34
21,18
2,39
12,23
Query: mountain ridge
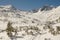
x,y
31,25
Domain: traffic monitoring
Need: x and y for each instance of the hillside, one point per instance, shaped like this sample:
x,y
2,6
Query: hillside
x,y
41,24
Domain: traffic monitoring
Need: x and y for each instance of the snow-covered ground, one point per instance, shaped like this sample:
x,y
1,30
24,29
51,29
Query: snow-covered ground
x,y
41,25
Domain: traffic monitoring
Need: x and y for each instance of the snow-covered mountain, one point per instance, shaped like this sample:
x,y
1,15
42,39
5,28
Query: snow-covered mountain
x,y
43,23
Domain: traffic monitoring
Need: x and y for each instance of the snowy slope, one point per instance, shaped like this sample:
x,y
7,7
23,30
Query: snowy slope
x,y
43,24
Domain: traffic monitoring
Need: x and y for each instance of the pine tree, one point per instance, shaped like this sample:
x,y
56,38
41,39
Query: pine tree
x,y
9,30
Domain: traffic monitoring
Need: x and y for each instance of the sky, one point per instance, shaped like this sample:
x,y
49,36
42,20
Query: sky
x,y
29,4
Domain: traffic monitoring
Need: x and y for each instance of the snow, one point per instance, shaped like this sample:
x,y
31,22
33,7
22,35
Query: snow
x,y
29,19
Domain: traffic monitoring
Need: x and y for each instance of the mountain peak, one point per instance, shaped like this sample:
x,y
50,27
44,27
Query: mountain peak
x,y
47,7
7,7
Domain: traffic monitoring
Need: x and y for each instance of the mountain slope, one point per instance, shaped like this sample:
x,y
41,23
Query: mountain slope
x,y
41,24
